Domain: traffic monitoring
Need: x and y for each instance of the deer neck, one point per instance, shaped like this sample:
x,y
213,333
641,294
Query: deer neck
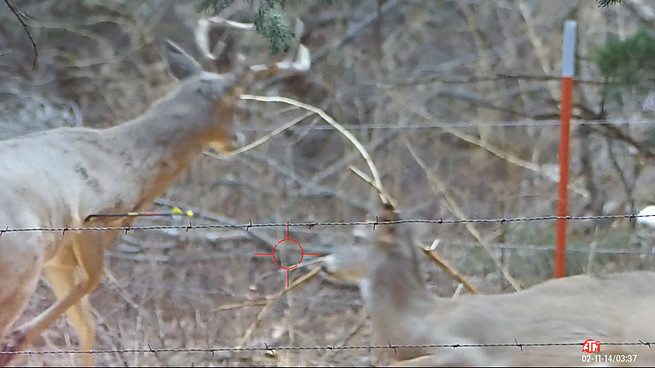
x,y
164,141
396,285
396,296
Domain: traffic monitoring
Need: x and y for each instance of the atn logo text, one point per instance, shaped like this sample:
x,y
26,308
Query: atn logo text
x,y
591,346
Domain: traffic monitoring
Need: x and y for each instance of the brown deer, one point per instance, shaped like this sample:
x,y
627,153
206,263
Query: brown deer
x,y
57,178
610,308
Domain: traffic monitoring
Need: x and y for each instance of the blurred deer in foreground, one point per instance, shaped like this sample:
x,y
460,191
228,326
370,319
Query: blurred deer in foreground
x,y
611,308
57,178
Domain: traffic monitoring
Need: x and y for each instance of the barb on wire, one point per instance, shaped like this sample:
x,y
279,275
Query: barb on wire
x,y
329,223
267,348
395,351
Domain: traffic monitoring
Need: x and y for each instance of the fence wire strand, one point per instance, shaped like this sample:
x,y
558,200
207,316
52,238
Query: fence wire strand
x,y
313,224
267,348
505,124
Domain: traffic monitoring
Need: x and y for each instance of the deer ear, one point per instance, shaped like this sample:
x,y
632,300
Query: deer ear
x,y
180,64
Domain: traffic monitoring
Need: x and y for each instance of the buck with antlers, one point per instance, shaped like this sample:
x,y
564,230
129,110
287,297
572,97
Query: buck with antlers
x,y
57,178
611,308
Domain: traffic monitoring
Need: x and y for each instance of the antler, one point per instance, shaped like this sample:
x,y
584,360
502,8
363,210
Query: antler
x,y
206,25
299,59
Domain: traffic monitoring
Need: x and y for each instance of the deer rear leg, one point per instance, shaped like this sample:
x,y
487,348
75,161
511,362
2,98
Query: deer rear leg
x,y
61,272
90,257
21,262
9,311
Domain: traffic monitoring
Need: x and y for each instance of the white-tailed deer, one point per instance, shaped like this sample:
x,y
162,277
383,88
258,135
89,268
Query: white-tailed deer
x,y
57,178
612,308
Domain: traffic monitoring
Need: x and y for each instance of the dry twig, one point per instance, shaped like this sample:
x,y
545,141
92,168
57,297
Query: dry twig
x,y
450,270
440,188
272,301
19,16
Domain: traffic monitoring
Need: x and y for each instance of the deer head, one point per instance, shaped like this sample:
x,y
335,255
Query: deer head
x,y
218,92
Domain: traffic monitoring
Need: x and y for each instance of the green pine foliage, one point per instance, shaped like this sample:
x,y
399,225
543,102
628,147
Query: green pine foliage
x,y
629,69
628,63
605,3
270,23
269,20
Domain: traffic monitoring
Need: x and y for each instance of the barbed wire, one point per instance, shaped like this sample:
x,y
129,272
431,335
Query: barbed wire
x,y
313,224
267,348
510,124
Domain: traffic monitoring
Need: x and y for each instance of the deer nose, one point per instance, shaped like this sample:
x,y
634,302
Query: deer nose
x,y
234,141
327,266
238,140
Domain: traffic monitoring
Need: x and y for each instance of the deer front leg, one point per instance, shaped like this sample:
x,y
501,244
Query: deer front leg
x,y
90,256
61,272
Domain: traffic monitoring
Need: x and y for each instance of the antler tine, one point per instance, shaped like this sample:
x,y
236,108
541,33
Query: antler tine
x,y
302,62
298,31
205,25
299,59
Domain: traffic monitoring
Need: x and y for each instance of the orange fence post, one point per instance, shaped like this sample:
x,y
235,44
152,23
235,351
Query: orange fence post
x,y
568,67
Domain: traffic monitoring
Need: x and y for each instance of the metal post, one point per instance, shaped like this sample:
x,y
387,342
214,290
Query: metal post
x,y
568,68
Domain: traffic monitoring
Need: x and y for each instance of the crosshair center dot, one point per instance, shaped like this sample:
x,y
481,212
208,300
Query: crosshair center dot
x,y
287,254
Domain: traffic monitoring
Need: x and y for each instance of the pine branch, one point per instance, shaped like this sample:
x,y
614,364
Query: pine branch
x,y
269,21
629,62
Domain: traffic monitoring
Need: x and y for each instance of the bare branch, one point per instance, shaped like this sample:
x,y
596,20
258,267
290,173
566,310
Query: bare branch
x,y
439,187
19,16
262,139
328,119
444,265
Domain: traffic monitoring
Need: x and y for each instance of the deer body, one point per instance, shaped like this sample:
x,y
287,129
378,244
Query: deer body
x,y
611,308
59,177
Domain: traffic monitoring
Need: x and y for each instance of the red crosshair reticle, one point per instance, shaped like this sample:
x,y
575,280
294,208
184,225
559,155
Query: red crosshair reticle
x,y
302,254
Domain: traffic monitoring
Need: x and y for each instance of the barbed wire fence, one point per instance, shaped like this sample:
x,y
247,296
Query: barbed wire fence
x,y
373,224
273,349
6,231
313,224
